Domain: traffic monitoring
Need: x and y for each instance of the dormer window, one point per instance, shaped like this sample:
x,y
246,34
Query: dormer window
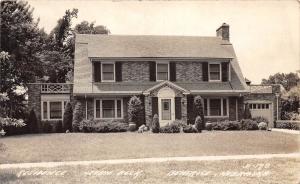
x,y
214,72
162,71
108,72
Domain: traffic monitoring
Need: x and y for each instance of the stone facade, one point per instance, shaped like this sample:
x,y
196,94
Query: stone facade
x,y
34,101
135,71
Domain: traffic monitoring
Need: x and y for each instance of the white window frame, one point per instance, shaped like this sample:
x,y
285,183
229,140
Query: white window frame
x,y
220,67
48,110
115,101
108,62
222,113
163,62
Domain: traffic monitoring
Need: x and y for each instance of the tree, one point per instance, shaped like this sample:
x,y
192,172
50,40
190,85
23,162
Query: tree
x,y
77,117
155,124
134,110
199,110
247,113
286,80
199,124
89,28
68,117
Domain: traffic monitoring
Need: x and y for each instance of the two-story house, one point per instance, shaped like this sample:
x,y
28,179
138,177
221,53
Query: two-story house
x,y
166,72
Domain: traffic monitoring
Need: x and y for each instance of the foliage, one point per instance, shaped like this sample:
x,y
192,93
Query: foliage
x,y
189,129
226,125
288,106
102,127
198,123
132,127
208,126
260,119
247,113
89,28
172,127
155,124
248,124
135,110
199,110
286,80
7,122
68,117
262,126
294,92
32,122
288,125
77,116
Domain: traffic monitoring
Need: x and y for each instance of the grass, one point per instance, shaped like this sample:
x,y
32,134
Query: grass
x,y
281,171
80,146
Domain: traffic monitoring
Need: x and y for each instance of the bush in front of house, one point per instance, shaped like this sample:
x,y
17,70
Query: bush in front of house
x,y
208,126
198,124
262,126
32,122
226,125
288,125
247,113
89,126
77,117
132,127
135,109
170,128
11,126
260,119
155,124
189,129
199,110
68,117
248,124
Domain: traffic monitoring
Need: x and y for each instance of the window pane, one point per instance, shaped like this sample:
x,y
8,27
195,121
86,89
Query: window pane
x,y
97,108
214,76
254,106
108,68
214,68
45,110
119,114
108,108
162,68
55,110
224,107
162,76
215,107
262,106
258,106
108,76
267,106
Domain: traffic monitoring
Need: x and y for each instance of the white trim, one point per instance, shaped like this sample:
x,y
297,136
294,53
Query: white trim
x,y
220,67
163,62
219,91
115,104
222,113
108,62
48,110
229,71
170,84
166,93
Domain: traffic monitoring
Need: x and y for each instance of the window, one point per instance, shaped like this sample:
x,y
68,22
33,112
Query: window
x,y
216,107
108,72
108,108
214,72
162,71
53,110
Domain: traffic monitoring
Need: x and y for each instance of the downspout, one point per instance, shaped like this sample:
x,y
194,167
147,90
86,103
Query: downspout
x,y
277,106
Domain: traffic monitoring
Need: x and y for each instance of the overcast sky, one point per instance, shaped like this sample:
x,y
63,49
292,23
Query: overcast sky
x,y
265,34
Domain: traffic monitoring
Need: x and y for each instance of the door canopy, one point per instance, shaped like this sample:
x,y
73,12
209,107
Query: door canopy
x,y
166,87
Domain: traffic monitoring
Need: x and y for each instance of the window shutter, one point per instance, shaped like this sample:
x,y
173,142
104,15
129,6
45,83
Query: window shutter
x,y
177,107
190,109
97,72
118,71
225,71
154,106
205,71
152,71
172,71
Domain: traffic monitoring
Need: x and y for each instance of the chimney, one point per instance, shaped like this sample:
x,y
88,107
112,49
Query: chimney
x,y
223,31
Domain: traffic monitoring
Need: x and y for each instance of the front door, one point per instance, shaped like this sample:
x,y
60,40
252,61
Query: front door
x,y
166,109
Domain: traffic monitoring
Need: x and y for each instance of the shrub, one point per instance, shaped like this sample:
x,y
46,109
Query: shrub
x,y
47,127
208,126
198,123
59,127
226,125
32,122
12,126
68,117
260,119
170,128
199,110
248,124
288,125
132,126
77,117
189,129
155,124
135,110
86,125
262,126
247,113
102,127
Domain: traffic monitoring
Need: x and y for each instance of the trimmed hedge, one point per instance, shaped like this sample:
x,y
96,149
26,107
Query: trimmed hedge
x,y
288,125
262,126
155,124
88,126
245,124
170,128
189,129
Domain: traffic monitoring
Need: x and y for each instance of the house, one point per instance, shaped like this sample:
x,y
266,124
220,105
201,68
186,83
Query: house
x,y
166,72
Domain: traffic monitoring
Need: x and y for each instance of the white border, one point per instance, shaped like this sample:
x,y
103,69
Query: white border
x,y
163,62
108,62
220,66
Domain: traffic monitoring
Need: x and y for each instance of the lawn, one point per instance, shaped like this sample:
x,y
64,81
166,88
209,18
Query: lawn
x,y
80,146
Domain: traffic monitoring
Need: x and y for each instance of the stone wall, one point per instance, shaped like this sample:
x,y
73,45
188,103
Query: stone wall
x,y
34,101
188,71
135,71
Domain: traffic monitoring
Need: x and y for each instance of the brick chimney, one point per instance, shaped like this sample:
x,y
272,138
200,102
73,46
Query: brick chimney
x,y
223,32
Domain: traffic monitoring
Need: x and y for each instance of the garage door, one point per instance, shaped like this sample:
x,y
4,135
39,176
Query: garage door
x,y
263,110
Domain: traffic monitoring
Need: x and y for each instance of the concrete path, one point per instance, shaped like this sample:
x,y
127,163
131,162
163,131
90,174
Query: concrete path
x,y
148,160
286,131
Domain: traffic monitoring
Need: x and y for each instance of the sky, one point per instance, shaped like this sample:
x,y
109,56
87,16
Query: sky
x,y
265,34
